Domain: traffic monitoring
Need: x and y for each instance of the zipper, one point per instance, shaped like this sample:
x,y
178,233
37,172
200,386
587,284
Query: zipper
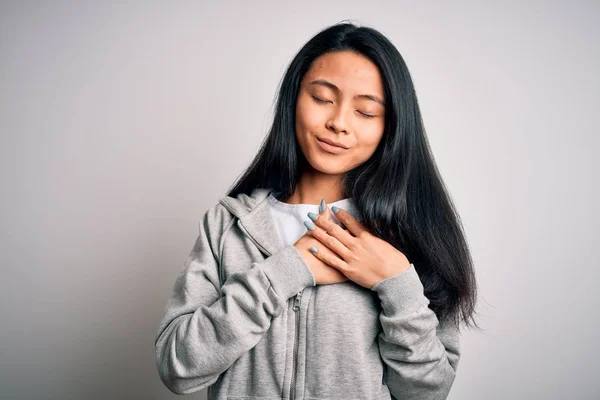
x,y
296,307
297,300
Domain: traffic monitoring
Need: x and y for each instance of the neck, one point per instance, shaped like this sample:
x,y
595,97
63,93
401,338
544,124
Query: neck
x,y
314,186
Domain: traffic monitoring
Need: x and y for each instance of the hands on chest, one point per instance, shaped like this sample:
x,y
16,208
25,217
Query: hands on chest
x,y
335,255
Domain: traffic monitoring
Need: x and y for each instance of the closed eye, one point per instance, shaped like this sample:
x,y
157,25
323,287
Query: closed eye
x,y
366,115
318,100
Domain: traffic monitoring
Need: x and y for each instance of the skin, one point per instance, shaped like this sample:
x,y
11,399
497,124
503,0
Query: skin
x,y
342,114
341,118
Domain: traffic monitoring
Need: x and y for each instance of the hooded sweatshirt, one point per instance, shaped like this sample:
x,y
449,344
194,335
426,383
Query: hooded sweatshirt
x,y
246,320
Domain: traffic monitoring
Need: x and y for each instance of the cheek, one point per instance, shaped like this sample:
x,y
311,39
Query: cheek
x,y
305,123
308,117
370,138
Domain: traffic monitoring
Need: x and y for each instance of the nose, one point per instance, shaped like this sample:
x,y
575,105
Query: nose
x,y
338,121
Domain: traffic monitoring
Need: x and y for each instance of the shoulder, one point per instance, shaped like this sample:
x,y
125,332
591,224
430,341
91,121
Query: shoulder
x,y
217,215
216,218
219,218
215,223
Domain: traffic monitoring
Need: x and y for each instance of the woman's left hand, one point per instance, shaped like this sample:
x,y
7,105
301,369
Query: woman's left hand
x,y
357,253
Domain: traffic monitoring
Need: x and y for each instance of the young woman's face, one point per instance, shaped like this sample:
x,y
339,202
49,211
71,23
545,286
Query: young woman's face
x,y
340,100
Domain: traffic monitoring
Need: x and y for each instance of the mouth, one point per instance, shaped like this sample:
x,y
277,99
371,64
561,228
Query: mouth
x,y
328,146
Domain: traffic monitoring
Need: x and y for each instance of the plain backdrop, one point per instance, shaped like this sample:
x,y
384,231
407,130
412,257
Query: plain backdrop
x,y
123,123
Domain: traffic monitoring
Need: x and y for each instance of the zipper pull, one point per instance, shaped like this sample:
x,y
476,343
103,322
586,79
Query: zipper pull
x,y
297,301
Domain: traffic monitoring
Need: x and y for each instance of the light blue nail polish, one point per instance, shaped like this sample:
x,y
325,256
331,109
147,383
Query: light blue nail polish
x,y
313,249
335,209
322,206
309,225
313,216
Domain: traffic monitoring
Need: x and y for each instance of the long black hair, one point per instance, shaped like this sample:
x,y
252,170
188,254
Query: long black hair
x,y
398,191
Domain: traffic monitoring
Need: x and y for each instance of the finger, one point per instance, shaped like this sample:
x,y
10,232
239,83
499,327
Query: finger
x,y
325,211
349,221
331,242
333,229
328,258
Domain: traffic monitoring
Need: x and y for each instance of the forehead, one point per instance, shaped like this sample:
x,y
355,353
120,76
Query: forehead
x,y
347,70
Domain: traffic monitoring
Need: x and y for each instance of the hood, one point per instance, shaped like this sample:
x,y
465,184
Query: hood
x,y
243,204
254,219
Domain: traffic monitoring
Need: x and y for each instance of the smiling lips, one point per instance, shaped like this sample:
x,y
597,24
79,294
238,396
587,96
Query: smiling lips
x,y
330,146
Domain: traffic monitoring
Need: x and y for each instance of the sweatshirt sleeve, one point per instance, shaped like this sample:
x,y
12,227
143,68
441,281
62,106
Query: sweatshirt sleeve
x,y
421,355
206,328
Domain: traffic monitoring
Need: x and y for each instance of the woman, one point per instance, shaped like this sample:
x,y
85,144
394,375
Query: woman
x,y
284,297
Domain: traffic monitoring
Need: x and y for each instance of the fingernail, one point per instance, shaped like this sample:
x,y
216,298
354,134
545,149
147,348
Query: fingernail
x,y
313,249
309,225
335,209
322,206
313,216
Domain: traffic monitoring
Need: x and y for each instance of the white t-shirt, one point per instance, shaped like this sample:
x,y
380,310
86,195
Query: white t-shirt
x,y
290,218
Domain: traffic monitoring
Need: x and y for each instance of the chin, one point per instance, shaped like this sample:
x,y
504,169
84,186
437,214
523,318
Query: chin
x,y
328,166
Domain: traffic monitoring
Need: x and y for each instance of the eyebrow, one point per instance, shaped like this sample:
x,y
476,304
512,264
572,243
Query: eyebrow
x,y
330,85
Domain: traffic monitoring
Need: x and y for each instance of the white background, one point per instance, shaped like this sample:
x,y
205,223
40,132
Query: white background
x,y
122,123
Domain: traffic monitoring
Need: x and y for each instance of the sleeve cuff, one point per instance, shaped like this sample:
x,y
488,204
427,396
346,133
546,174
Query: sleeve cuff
x,y
401,291
287,272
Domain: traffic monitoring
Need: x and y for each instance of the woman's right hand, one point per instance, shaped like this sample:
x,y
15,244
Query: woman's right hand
x,y
324,274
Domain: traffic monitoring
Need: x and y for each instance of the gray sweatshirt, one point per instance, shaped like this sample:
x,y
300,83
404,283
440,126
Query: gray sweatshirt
x,y
247,320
